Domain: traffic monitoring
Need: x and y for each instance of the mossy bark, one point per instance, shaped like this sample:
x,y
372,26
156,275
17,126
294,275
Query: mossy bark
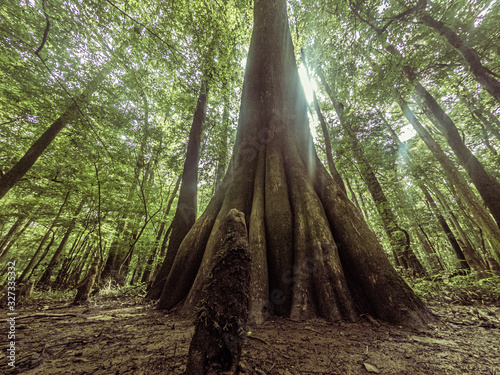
x,y
218,337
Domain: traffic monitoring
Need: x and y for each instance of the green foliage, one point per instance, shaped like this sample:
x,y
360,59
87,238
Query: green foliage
x,y
461,289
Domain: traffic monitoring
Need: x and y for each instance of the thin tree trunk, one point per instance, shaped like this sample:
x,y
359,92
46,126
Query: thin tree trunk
x,y
44,254
13,229
446,229
328,143
70,114
431,255
473,257
353,195
39,249
488,187
483,75
14,239
398,237
465,193
419,173
222,160
45,279
146,276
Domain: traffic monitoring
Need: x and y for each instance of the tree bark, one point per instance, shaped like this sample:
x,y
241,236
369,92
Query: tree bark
x,y
85,286
220,324
311,252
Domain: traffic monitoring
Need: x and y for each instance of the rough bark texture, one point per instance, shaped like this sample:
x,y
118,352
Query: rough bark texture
x,y
185,215
218,337
312,254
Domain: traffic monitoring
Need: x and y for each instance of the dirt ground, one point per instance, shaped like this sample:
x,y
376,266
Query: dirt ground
x,y
130,337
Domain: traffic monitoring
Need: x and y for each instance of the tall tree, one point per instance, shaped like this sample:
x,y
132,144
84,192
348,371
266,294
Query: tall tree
x,y
73,110
398,237
312,253
483,75
185,215
466,194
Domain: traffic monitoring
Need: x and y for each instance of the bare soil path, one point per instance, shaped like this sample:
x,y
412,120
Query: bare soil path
x,y
120,337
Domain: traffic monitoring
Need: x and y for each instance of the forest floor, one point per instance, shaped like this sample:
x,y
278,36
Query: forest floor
x,y
127,336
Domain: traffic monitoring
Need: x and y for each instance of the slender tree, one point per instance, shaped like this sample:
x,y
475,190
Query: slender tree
x,y
398,237
185,215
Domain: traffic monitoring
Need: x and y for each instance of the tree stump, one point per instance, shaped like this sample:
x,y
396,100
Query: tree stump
x,y
85,286
218,338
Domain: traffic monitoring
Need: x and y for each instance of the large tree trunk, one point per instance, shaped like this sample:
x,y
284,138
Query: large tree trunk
x,y
312,253
220,324
185,215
